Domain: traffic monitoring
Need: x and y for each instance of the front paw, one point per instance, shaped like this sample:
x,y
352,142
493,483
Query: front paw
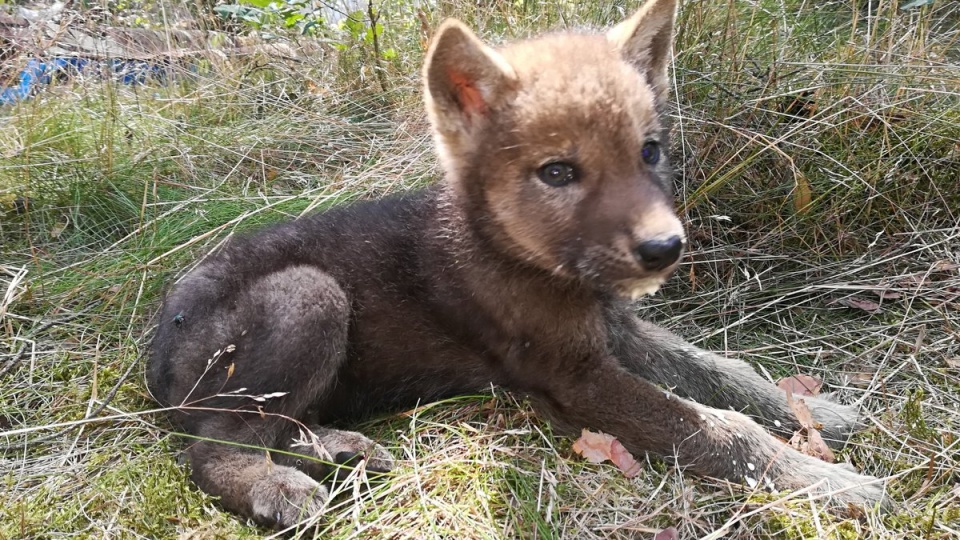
x,y
345,449
838,422
285,497
837,484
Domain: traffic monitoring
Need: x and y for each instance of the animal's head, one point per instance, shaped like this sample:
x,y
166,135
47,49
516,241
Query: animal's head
x,y
555,147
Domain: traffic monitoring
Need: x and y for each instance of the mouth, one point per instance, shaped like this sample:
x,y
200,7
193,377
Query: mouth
x,y
634,289
620,273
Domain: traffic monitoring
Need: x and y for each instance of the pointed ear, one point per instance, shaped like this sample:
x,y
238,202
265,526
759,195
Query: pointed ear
x,y
463,79
645,41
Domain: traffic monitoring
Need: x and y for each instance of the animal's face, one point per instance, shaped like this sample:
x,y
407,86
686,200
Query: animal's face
x,y
556,148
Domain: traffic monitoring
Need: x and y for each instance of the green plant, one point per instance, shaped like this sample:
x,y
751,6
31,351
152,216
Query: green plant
x,y
269,15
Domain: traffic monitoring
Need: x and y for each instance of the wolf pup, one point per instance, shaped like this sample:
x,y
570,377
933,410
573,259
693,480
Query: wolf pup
x,y
518,270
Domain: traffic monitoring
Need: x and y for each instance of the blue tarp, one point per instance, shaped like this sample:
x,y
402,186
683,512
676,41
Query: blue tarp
x,y
40,72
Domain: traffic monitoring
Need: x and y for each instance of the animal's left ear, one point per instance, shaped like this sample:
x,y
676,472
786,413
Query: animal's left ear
x,y
645,41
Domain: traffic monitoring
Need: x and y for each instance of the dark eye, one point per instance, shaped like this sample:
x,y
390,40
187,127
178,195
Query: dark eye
x,y
557,174
650,152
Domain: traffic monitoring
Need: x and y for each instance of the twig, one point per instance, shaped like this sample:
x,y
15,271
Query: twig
x,y
43,328
103,405
377,68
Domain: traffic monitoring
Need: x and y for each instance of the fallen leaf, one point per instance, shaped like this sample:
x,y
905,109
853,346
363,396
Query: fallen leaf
x,y
807,439
600,447
670,533
802,194
944,266
426,34
953,362
801,385
316,90
811,443
489,405
859,303
886,294
862,378
802,412
855,511
919,342
796,442
623,459
817,447
594,447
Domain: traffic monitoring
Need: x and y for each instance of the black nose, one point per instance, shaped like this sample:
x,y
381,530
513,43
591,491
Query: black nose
x,y
659,254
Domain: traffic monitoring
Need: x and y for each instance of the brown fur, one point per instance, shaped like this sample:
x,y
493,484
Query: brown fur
x,y
501,275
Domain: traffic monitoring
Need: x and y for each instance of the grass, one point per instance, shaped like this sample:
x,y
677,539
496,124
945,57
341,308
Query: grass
x,y
818,155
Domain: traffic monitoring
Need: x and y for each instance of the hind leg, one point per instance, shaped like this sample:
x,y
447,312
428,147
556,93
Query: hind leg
x,y
288,332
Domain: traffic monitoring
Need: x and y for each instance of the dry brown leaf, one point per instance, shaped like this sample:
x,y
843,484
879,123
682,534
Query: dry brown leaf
x,y
600,447
670,533
817,447
944,266
594,447
624,460
802,412
802,195
808,439
887,294
796,442
315,89
426,34
862,378
811,443
801,385
859,303
953,362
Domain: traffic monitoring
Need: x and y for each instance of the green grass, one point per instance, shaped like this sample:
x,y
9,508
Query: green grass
x,y
818,156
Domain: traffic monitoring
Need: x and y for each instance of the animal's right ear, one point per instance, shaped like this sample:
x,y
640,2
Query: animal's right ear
x,y
463,79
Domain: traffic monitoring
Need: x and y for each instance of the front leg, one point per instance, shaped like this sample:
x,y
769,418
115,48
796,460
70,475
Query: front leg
x,y
718,443
664,358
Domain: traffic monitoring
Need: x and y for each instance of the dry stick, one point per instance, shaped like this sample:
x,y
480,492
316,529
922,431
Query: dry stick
x,y
103,404
377,68
43,328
